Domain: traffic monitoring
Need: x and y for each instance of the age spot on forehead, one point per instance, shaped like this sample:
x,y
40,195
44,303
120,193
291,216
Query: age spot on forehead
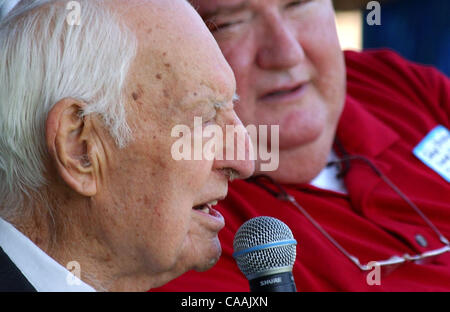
x,y
137,94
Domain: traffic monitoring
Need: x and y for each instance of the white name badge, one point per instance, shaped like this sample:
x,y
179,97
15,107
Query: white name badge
x,y
434,151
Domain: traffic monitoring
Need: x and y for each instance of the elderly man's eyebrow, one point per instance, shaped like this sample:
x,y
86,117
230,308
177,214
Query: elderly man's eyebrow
x,y
223,9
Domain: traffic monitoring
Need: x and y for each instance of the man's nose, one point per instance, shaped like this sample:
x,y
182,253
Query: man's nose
x,y
280,48
238,160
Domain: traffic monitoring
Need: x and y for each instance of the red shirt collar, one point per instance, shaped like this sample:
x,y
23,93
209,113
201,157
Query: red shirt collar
x,y
361,132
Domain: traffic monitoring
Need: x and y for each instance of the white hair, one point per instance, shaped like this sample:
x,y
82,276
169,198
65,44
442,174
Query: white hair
x,y
44,59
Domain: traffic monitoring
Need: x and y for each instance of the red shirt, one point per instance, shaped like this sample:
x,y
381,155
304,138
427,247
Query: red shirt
x,y
391,106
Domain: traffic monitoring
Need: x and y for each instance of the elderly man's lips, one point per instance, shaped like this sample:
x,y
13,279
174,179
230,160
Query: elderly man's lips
x,y
284,94
211,215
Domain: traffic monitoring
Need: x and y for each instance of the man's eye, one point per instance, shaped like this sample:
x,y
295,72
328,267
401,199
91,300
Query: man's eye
x,y
222,26
294,4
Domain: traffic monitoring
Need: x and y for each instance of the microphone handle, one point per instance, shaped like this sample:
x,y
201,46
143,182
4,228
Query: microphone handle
x,y
278,282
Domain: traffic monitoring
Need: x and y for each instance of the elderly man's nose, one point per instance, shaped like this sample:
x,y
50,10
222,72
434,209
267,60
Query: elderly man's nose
x,y
279,49
238,160
237,169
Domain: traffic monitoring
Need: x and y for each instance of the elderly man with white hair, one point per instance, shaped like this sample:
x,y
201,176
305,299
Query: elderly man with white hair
x,y
87,181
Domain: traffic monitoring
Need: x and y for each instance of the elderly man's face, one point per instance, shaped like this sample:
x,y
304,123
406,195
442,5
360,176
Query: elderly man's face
x,y
179,74
290,72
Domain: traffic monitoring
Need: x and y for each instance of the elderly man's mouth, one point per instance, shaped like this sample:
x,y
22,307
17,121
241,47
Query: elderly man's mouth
x,y
207,207
284,93
213,217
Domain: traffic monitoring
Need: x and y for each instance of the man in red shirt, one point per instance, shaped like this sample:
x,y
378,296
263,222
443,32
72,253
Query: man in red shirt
x,y
359,137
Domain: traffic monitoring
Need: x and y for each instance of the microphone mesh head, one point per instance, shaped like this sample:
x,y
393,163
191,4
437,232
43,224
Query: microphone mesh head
x,y
253,257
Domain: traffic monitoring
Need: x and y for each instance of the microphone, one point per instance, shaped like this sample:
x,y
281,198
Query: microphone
x,y
265,251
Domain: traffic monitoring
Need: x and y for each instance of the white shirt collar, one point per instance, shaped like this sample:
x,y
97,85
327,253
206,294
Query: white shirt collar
x,y
43,272
327,178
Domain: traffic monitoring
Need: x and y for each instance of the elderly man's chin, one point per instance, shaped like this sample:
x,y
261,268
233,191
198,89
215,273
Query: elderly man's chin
x,y
201,249
212,255
198,256
206,249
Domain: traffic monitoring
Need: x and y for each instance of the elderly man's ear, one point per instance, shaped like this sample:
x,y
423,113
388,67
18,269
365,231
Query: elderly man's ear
x,y
71,143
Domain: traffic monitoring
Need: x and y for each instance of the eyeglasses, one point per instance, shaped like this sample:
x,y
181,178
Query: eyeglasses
x,y
393,261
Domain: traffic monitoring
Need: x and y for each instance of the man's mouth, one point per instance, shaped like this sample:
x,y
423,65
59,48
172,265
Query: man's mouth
x,y
283,93
210,216
206,207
